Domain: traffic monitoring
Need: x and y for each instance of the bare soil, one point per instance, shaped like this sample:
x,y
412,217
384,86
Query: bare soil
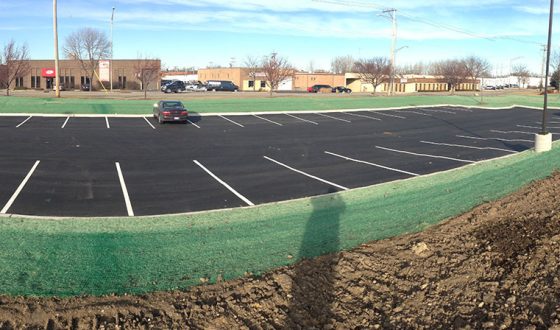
x,y
496,267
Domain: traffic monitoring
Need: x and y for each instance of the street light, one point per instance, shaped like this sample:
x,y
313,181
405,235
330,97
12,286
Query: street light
x,y
543,139
111,62
55,30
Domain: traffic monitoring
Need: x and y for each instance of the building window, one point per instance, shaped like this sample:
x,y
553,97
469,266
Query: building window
x,y
251,83
19,82
35,82
263,84
122,82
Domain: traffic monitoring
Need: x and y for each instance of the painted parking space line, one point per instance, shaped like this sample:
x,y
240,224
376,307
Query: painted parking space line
x,y
65,122
537,127
23,122
195,125
362,116
511,132
493,139
231,121
19,189
415,112
124,191
332,117
268,120
442,111
372,164
107,122
386,114
146,119
469,147
305,173
243,198
425,155
305,120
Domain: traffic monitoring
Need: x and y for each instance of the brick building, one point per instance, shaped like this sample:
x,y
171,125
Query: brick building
x,y
42,75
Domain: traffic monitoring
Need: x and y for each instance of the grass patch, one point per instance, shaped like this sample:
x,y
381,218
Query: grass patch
x,y
137,255
14,104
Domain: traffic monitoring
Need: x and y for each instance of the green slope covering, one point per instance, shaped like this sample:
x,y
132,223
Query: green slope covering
x,y
14,104
134,255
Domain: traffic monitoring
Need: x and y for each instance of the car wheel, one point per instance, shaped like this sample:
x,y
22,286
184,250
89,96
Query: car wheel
x,y
160,120
168,90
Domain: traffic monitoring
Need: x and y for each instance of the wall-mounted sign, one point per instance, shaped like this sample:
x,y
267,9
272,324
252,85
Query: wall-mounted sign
x,y
48,73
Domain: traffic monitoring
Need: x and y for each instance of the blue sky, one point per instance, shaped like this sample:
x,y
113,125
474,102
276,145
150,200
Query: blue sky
x,y
308,33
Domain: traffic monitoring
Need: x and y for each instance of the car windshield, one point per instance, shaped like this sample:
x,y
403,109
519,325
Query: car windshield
x,y
171,105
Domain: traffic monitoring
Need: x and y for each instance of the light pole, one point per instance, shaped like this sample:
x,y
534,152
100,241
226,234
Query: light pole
x,y
56,74
111,62
543,139
391,14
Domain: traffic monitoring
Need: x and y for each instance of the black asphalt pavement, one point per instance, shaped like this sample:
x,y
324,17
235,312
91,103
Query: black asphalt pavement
x,y
134,166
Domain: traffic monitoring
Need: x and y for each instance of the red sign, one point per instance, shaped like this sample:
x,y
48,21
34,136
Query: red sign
x,y
48,73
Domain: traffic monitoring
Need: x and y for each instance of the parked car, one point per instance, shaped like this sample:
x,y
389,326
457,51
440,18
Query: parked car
x,y
196,87
489,87
61,87
85,87
341,89
221,85
317,88
170,111
174,87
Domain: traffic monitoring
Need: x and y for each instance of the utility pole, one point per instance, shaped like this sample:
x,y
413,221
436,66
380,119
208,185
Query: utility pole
x,y
392,15
56,74
111,62
544,48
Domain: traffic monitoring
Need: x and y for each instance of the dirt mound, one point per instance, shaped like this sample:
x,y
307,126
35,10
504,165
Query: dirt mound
x,y
495,267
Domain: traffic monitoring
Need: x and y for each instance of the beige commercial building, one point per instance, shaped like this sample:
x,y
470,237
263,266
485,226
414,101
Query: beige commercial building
x,y
72,76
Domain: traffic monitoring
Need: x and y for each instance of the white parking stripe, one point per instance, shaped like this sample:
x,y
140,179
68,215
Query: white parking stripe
x,y
363,116
386,114
416,112
23,122
372,164
146,119
306,174
66,121
425,155
195,125
268,120
231,121
434,110
469,147
322,114
248,202
107,122
19,189
511,132
537,127
493,139
124,190
308,121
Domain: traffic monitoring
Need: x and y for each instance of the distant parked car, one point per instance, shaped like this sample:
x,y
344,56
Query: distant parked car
x,y
174,87
60,87
341,89
221,85
317,88
196,87
490,88
170,111
85,87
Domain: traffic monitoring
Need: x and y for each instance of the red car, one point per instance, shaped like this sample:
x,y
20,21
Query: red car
x,y
170,111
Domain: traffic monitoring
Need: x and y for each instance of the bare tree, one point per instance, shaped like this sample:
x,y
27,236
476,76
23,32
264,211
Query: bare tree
x,y
452,71
342,64
476,67
522,74
147,70
374,71
419,68
253,64
276,69
16,64
88,46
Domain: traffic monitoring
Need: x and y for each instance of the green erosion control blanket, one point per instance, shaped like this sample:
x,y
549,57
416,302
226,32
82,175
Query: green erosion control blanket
x,y
100,256
16,104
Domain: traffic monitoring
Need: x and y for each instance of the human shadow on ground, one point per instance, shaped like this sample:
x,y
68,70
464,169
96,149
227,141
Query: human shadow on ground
x,y
313,280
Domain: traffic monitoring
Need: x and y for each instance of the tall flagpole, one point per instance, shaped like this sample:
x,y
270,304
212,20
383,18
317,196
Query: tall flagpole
x,y
55,29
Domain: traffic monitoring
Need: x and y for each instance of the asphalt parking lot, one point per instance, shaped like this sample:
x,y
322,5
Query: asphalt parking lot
x,y
107,166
